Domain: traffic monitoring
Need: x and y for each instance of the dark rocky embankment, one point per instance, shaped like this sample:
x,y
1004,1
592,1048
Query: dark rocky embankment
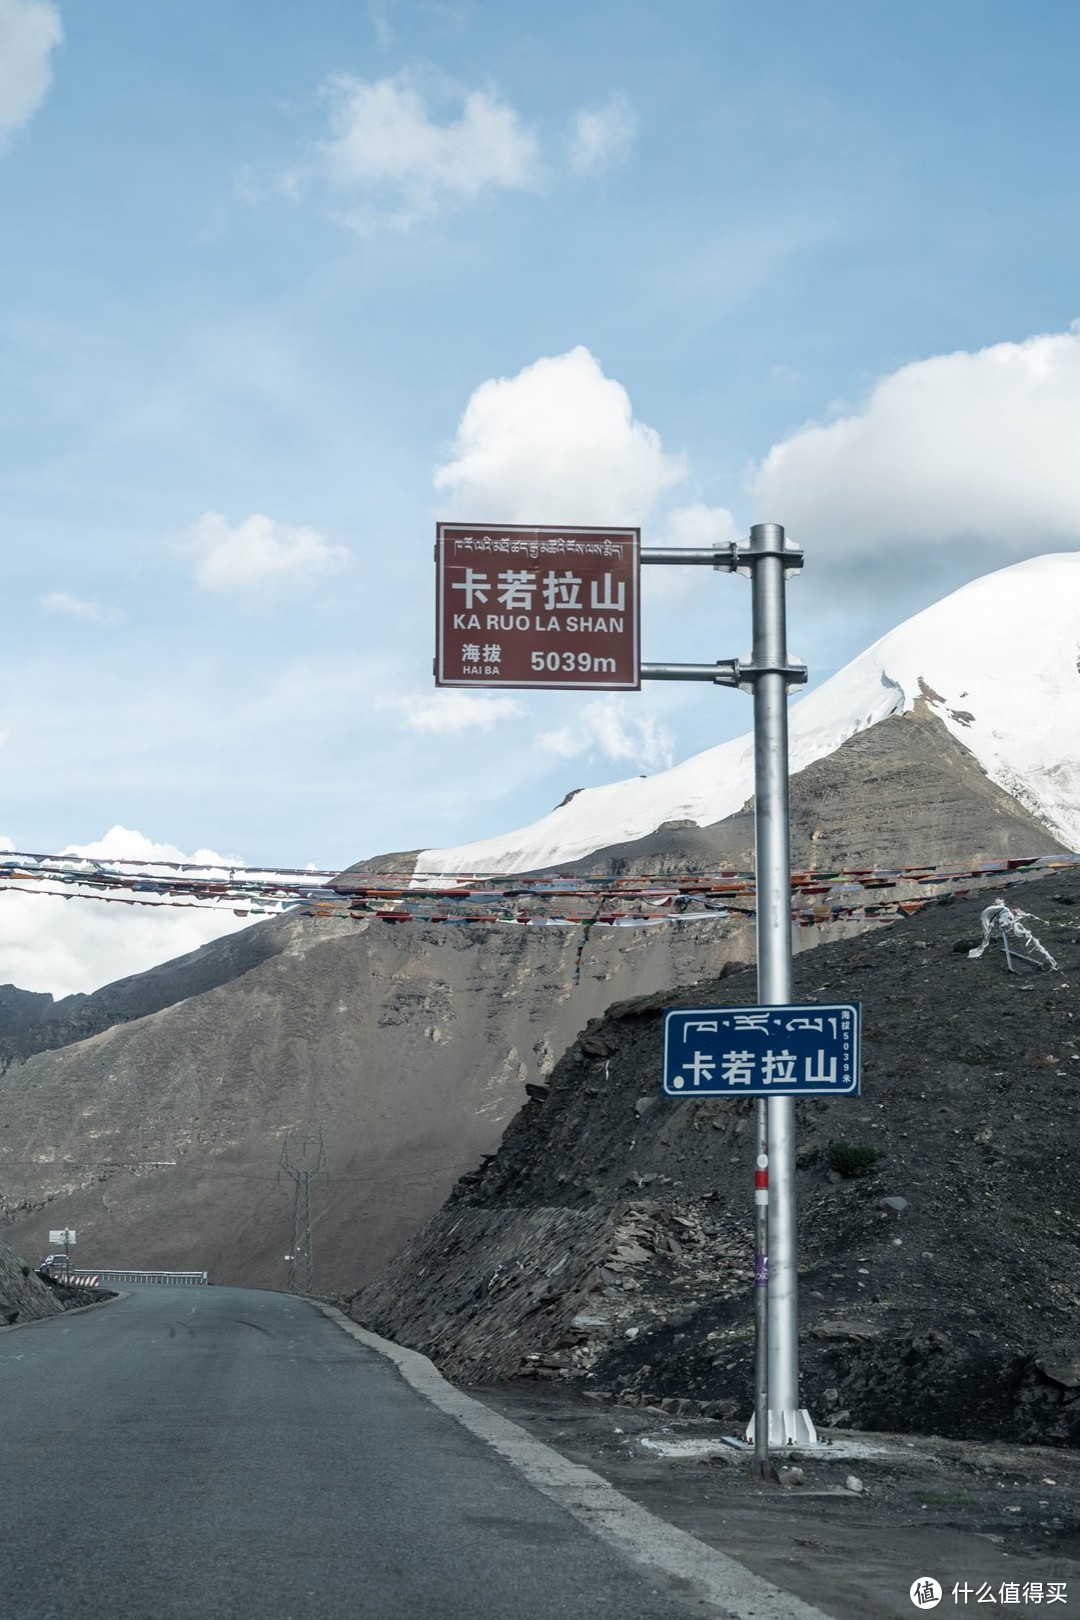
x,y
608,1242
26,1297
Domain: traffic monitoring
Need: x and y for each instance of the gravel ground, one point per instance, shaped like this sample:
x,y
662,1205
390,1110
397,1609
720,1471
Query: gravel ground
x,y
859,1520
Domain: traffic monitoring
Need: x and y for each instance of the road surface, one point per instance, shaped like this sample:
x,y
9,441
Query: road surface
x,y
190,1454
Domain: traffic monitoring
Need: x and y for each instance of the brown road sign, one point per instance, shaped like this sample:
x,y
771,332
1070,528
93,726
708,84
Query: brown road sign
x,y
551,607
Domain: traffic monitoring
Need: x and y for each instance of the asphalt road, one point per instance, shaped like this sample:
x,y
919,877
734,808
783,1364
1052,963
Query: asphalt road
x,y
190,1454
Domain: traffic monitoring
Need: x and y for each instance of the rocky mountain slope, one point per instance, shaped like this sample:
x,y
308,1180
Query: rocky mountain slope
x,y
996,662
905,786
23,1295
609,1241
32,1021
158,1137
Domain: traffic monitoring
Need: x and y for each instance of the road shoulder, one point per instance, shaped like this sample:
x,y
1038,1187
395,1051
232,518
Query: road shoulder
x,y
721,1585
64,1315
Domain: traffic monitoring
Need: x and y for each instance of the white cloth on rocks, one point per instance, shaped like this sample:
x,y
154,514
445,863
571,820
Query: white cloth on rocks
x,y
999,920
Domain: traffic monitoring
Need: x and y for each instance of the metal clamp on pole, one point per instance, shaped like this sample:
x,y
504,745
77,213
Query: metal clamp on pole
x,y
794,672
791,556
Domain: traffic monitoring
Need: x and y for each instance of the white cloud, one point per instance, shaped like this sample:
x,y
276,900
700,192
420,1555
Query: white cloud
x,y
30,31
124,844
558,443
77,608
257,552
604,727
66,945
601,137
447,710
966,447
405,166
697,527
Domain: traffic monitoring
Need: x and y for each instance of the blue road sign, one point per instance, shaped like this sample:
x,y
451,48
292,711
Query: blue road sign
x,y
762,1051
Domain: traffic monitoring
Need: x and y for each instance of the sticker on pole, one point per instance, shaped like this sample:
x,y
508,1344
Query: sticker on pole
x,y
762,1051
538,607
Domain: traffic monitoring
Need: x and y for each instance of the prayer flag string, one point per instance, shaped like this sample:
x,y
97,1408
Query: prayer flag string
x,y
817,897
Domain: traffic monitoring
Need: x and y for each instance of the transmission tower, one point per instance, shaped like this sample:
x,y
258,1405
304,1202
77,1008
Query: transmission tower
x,y
303,1163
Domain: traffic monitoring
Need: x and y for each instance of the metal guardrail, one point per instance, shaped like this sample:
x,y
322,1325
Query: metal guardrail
x,y
183,1279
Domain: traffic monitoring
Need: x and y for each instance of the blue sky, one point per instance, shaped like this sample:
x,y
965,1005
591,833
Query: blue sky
x,y
816,264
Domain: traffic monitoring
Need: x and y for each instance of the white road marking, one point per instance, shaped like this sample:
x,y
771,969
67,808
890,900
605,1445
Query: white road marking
x,y
728,1587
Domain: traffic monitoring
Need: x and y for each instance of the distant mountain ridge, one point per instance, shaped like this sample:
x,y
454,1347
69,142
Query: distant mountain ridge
x,y
31,1021
905,786
996,663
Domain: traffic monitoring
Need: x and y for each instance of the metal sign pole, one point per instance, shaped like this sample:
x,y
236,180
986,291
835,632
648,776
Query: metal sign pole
x,y
788,1425
599,648
768,675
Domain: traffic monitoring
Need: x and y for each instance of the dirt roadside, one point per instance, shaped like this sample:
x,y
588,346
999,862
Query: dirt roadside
x,y
996,1519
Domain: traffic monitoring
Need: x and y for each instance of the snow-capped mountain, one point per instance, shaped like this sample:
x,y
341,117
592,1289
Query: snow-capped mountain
x,y
997,662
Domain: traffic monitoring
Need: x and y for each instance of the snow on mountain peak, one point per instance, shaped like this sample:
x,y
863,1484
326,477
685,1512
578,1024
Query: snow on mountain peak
x,y
997,662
